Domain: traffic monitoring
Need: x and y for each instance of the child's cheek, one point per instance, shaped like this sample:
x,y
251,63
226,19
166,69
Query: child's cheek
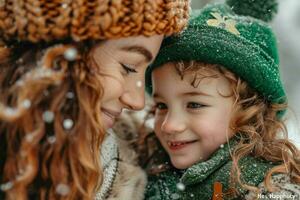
x,y
157,125
159,133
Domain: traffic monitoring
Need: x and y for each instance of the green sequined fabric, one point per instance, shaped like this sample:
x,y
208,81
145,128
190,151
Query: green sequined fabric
x,y
198,180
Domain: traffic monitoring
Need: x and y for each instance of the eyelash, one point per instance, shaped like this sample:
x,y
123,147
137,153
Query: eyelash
x,y
157,106
127,69
199,105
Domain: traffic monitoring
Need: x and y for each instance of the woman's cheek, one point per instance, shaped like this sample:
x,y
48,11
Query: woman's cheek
x,y
135,80
113,88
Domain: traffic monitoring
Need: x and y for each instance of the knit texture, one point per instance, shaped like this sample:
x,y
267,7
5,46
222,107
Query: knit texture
x,y
244,45
260,9
42,20
198,180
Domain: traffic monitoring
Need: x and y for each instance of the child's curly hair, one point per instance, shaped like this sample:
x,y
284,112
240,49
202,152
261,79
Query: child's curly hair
x,y
36,79
262,133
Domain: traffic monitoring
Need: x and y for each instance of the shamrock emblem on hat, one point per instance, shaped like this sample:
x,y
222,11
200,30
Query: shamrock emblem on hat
x,y
223,22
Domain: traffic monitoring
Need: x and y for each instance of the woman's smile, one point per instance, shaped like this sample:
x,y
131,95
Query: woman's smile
x,y
109,117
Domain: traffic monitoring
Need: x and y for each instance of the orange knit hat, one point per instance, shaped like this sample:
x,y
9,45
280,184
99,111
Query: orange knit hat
x,y
43,20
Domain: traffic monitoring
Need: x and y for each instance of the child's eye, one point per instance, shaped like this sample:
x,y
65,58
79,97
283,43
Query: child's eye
x,y
194,105
161,106
128,69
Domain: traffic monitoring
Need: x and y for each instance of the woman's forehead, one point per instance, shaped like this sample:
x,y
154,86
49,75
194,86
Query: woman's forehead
x,y
135,40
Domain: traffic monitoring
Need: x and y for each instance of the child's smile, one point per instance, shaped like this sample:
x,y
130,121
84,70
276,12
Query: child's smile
x,y
191,122
177,145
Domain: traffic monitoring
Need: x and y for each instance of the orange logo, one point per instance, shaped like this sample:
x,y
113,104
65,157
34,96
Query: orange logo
x,y
219,194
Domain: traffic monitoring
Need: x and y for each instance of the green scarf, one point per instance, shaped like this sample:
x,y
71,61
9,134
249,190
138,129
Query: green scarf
x,y
198,180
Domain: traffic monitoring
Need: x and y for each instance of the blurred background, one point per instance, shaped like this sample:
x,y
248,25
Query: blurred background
x,y
287,27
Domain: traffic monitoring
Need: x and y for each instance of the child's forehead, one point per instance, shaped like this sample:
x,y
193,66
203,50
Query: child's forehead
x,y
192,78
188,71
194,67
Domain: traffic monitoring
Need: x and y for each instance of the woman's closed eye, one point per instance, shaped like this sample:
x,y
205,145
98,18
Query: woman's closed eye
x,y
128,69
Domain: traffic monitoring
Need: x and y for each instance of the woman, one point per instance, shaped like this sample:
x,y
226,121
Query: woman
x,y
61,88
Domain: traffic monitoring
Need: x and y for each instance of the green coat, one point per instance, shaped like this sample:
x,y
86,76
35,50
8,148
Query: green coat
x,y
199,179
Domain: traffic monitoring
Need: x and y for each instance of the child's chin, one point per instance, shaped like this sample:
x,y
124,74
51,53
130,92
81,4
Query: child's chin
x,y
181,164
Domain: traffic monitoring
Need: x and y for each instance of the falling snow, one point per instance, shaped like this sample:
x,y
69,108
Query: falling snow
x,y
48,116
51,139
6,186
180,186
70,54
26,103
68,124
62,189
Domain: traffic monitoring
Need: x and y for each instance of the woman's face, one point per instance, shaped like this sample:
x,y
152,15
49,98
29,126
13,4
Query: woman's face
x,y
122,64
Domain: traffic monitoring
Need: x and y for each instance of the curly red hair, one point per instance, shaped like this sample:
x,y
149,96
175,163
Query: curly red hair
x,y
261,131
40,156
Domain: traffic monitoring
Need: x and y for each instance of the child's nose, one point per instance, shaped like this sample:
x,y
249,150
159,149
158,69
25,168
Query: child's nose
x,y
173,123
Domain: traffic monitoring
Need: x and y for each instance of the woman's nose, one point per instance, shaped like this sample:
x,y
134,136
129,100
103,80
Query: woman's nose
x,y
173,123
134,98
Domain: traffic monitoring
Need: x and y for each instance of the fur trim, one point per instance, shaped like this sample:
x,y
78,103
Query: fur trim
x,y
130,180
129,184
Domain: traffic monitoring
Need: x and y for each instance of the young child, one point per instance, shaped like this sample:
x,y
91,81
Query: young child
x,y
219,106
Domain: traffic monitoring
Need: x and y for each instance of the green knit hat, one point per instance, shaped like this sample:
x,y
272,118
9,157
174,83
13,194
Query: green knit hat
x,y
245,45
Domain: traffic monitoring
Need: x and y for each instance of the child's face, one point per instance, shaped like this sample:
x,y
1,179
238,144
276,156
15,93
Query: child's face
x,y
191,123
